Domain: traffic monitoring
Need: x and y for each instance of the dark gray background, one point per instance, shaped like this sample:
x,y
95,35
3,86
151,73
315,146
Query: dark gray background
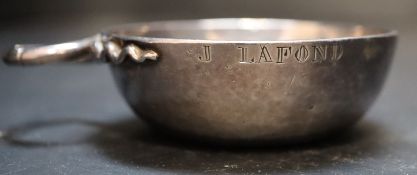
x,y
70,119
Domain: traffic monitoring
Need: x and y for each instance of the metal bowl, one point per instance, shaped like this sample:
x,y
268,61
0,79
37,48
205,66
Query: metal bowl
x,y
238,79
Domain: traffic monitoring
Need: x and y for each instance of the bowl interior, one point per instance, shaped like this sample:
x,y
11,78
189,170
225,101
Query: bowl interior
x,y
246,29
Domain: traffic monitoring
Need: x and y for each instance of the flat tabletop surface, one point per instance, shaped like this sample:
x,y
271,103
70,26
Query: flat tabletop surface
x,y
70,119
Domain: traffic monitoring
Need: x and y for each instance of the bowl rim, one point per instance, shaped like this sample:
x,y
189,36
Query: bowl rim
x,y
116,31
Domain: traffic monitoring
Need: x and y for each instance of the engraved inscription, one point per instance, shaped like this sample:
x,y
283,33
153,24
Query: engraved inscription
x,y
337,52
244,54
301,54
264,56
331,52
206,55
268,53
320,53
283,54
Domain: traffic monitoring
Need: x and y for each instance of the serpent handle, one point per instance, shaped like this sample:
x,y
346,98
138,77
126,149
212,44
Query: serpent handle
x,y
85,50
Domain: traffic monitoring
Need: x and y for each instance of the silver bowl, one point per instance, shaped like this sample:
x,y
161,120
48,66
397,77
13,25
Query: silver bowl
x,y
238,79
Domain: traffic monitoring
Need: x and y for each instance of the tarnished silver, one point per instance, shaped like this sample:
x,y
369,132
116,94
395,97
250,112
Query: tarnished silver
x,y
238,79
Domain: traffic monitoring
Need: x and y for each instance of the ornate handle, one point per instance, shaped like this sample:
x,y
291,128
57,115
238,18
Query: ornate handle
x,y
88,49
